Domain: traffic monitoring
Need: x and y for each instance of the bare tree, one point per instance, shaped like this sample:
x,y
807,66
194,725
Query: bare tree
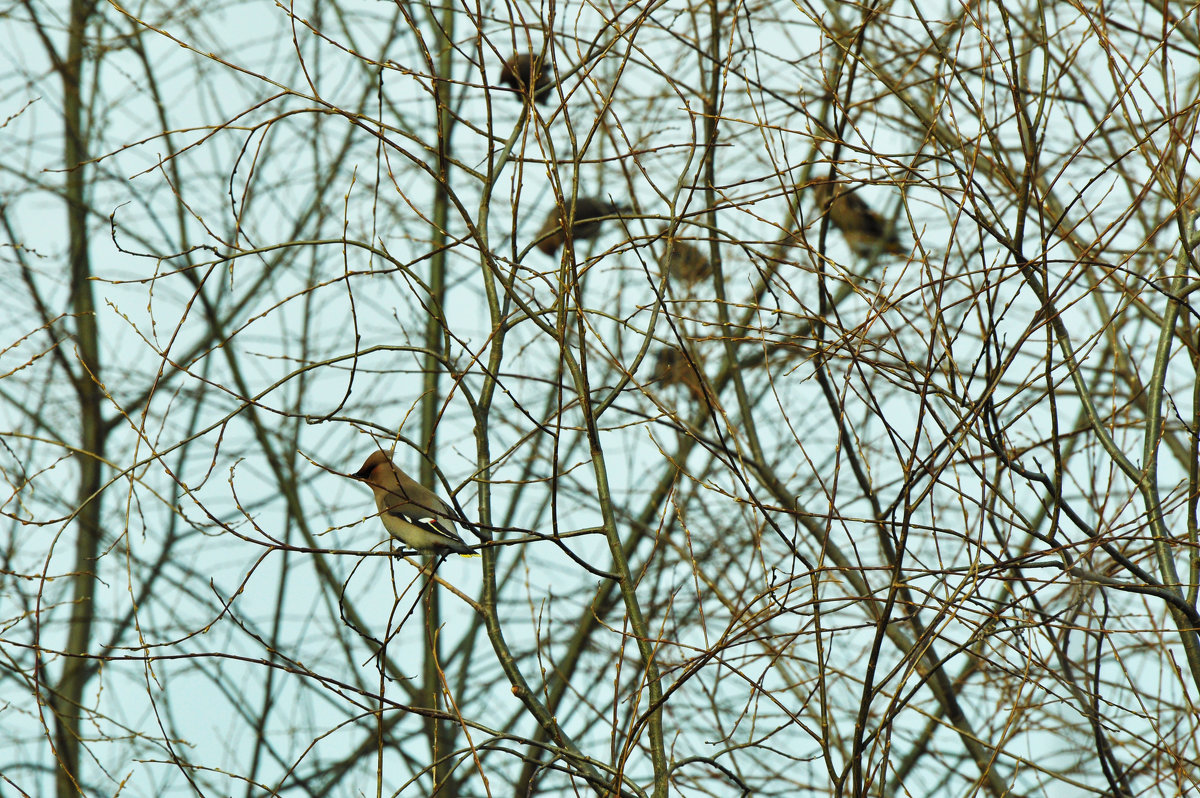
x,y
817,385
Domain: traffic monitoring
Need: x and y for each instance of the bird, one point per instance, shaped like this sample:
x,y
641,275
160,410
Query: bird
x,y
683,261
671,367
524,73
864,230
589,213
410,512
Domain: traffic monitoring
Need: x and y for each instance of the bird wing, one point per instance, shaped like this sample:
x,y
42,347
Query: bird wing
x,y
430,515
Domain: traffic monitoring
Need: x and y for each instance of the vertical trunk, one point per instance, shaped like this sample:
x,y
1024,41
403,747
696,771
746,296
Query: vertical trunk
x,y
68,694
439,735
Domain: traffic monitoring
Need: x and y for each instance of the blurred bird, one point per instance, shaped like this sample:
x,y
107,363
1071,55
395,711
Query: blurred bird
x,y
864,230
589,213
524,73
683,261
410,512
671,367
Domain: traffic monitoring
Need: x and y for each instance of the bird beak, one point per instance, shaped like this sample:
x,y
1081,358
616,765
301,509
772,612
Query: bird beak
x,y
361,474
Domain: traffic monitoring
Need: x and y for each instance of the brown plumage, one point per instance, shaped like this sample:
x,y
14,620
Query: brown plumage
x,y
519,72
864,230
683,261
671,367
410,512
589,213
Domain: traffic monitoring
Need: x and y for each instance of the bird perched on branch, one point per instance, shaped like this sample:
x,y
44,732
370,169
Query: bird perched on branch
x,y
410,512
589,215
526,73
683,261
864,230
672,367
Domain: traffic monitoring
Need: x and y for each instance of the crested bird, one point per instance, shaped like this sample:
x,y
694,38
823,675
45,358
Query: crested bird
x,y
683,261
410,512
525,73
672,367
589,213
865,230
